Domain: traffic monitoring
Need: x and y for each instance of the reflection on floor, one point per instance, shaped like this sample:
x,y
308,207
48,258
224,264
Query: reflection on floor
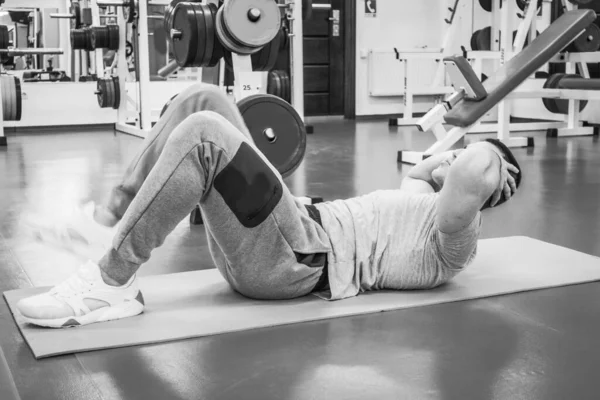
x,y
533,345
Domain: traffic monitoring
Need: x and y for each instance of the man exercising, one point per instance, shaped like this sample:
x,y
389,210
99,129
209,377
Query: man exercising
x,y
266,243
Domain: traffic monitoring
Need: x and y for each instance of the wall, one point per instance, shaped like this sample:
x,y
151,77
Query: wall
x,y
409,25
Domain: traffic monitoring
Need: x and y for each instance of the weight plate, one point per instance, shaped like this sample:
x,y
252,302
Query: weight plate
x,y
563,105
287,87
588,41
18,98
287,150
201,24
78,39
205,40
484,39
75,10
487,5
101,92
88,39
217,52
168,16
552,83
129,11
7,96
522,4
117,92
113,37
4,37
252,23
184,35
307,9
226,39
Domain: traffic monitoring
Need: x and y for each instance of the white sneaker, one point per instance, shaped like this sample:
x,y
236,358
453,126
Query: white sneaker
x,y
81,300
79,234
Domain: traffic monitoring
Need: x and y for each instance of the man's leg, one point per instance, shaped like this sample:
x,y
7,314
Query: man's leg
x,y
196,98
250,214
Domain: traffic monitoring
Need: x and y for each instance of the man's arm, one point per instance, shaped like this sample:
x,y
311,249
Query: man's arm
x,y
472,179
419,178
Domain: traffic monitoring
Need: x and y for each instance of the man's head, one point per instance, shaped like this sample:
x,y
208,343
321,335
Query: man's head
x,y
440,174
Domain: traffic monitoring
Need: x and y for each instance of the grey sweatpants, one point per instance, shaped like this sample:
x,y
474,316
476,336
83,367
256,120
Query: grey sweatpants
x,y
261,238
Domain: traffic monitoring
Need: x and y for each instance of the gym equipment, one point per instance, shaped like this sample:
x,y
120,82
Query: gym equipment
x,y
81,39
108,92
186,303
481,39
266,58
76,22
45,76
244,26
279,84
277,130
104,37
487,4
561,81
193,35
129,11
463,115
506,79
11,97
522,4
589,41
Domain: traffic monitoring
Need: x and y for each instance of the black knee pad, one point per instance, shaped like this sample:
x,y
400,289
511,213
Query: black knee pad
x,y
249,187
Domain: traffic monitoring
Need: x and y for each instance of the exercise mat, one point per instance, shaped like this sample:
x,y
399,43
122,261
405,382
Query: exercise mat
x,y
200,303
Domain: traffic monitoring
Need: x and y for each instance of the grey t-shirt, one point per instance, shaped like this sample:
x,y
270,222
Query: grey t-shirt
x,y
389,240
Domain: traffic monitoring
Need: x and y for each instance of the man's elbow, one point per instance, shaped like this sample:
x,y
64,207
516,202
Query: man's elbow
x,y
479,171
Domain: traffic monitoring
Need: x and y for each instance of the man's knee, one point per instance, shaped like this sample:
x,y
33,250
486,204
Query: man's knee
x,y
206,126
206,93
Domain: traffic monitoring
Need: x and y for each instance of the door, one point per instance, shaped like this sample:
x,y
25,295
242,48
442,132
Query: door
x,y
324,58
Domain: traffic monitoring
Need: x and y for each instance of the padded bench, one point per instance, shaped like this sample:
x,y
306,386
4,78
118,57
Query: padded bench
x,y
508,77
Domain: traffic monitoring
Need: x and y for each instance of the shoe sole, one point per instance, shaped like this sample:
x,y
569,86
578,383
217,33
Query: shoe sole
x,y
128,308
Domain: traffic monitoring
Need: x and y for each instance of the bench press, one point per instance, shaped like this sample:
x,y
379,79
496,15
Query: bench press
x,y
464,108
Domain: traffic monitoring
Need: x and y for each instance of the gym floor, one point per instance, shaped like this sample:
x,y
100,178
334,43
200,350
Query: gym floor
x,y
535,345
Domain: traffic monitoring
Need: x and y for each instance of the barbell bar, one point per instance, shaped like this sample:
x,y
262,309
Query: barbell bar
x,y
22,52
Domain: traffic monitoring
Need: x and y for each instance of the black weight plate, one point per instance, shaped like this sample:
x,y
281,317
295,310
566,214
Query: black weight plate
x,y
8,94
474,41
117,92
184,21
4,37
287,87
168,16
563,105
77,43
523,3
484,39
76,22
271,83
263,111
588,41
552,83
129,11
487,5
278,85
101,92
209,37
217,52
307,8
18,98
113,37
201,24
273,54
